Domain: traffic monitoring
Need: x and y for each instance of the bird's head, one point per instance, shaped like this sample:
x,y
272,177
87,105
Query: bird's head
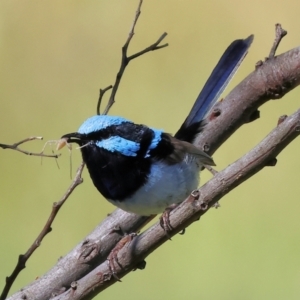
x,y
94,129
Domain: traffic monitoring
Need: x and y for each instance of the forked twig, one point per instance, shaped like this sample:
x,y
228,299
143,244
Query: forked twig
x,y
279,34
32,138
126,59
101,94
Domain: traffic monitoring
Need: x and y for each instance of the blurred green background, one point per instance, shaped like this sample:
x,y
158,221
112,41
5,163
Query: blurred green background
x,y
54,57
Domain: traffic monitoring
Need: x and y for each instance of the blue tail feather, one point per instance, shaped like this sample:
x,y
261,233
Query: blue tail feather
x,y
215,85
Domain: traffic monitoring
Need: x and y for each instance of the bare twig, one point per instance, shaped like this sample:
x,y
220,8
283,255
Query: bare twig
x,y
126,59
32,138
101,94
47,228
279,34
153,47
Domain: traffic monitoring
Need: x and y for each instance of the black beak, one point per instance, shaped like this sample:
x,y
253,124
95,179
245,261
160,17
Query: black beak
x,y
73,137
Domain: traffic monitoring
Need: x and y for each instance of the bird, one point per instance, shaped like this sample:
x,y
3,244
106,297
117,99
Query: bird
x,y
144,170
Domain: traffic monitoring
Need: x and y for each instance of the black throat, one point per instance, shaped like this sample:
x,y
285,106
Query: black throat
x,y
114,175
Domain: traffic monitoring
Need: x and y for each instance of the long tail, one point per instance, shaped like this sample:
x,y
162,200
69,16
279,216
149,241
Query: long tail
x,y
214,86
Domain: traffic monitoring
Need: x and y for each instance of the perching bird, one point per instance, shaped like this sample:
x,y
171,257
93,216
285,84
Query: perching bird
x,y
144,170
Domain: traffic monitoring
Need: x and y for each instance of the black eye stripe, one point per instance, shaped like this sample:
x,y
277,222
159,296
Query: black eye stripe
x,y
146,137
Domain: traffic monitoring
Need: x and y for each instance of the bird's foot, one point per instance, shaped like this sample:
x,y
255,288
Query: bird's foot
x,y
165,219
112,258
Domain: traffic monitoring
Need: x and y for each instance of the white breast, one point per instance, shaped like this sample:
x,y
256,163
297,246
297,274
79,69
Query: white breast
x,y
167,184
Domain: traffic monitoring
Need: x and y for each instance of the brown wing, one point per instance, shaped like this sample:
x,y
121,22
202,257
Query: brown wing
x,y
181,148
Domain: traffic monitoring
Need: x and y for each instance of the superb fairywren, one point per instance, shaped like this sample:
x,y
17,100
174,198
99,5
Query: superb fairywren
x,y
145,170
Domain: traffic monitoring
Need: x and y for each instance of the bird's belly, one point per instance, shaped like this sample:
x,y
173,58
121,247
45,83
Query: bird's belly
x,y
166,185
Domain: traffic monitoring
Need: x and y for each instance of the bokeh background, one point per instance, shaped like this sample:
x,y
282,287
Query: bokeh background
x,y
54,57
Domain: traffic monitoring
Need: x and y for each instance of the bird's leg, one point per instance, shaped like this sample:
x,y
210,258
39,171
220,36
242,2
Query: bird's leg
x,y
213,172
165,219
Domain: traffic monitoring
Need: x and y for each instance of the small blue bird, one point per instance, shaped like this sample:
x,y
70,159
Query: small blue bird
x,y
144,170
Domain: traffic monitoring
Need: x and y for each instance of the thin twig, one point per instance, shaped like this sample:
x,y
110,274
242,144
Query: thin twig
x,y
126,59
279,34
101,94
153,47
32,138
21,264
137,14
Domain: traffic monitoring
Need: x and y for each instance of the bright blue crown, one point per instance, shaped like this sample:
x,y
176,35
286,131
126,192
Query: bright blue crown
x,y
117,143
99,122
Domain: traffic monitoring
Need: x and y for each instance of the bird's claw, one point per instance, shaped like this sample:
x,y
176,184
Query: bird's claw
x,y
164,220
113,255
